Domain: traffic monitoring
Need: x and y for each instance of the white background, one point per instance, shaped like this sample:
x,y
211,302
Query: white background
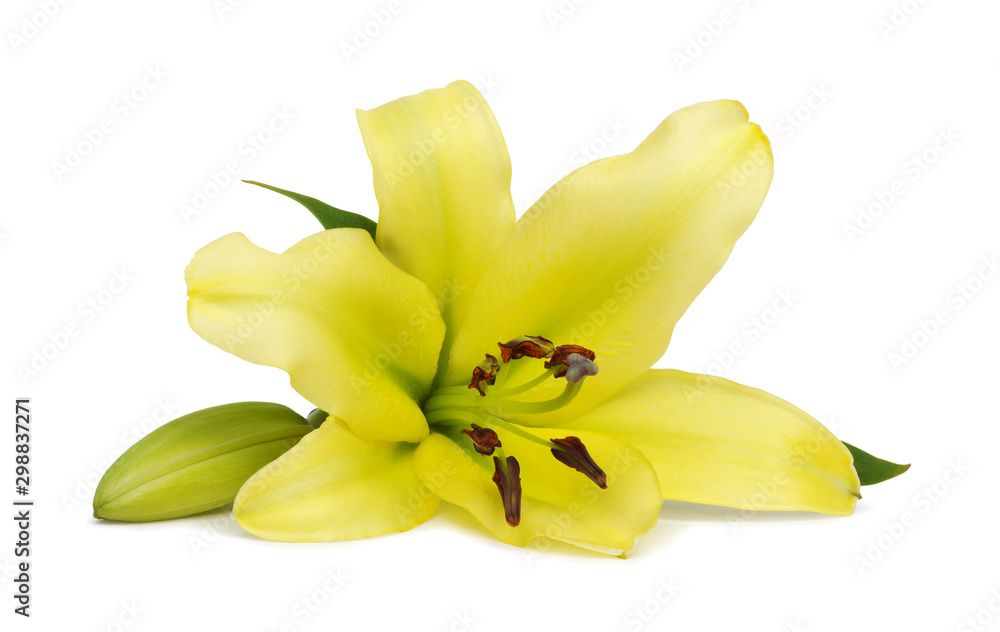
x,y
557,76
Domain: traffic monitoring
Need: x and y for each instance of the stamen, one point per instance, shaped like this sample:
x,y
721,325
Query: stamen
x,y
572,452
514,429
562,361
454,411
485,374
530,346
484,440
508,480
527,386
449,416
546,406
437,407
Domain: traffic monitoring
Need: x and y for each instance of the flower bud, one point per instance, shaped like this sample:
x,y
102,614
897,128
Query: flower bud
x,y
196,462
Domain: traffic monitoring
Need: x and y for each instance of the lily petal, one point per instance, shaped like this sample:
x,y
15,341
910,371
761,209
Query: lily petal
x,y
611,256
557,502
358,337
442,179
335,486
717,442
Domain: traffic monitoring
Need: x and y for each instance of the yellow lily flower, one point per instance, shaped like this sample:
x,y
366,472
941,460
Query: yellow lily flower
x,y
563,430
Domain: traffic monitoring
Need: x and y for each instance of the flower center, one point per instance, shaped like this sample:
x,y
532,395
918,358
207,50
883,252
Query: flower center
x,y
471,415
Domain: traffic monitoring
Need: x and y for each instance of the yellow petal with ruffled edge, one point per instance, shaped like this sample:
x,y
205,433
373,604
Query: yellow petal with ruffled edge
x,y
442,179
557,502
613,254
717,442
335,486
358,337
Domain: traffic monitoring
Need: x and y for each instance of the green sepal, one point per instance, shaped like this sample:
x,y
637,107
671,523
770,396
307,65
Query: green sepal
x,y
196,462
872,469
328,216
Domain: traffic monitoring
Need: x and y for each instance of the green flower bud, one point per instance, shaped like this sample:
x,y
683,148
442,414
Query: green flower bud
x,y
196,462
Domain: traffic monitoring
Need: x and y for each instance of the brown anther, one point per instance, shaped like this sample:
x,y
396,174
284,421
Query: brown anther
x,y
508,480
526,346
485,374
573,453
561,358
484,440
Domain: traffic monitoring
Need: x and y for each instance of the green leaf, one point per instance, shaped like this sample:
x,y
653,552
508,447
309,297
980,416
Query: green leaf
x,y
328,216
872,469
196,462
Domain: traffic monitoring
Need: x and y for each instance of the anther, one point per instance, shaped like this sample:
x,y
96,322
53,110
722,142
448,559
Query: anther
x,y
572,452
572,362
508,480
526,346
485,374
484,440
